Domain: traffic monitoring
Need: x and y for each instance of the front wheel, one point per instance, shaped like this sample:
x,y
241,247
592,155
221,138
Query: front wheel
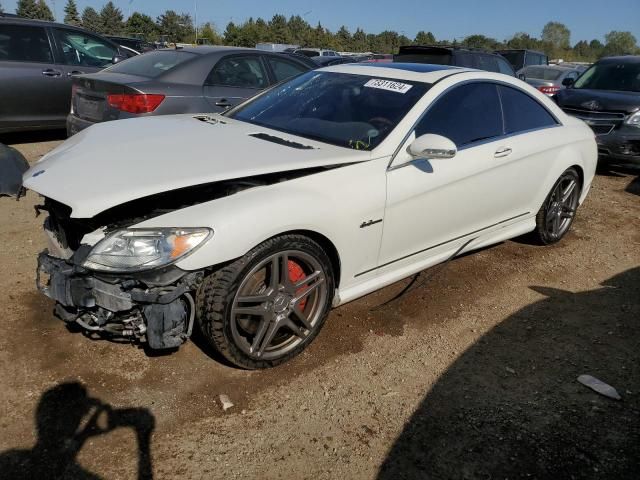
x,y
559,209
266,307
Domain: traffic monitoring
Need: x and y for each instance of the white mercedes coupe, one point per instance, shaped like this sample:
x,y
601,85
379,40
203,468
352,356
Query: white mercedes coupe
x,y
318,191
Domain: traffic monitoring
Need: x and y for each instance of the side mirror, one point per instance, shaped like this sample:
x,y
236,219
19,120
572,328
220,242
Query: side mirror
x,y
567,82
118,58
432,146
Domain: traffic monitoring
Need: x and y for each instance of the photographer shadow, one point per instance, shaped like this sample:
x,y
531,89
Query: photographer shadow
x,y
66,417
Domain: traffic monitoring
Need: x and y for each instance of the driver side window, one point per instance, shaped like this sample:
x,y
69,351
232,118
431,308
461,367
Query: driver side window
x,y
467,114
80,49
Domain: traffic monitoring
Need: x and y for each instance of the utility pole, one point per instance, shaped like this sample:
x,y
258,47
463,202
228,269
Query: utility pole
x,y
195,18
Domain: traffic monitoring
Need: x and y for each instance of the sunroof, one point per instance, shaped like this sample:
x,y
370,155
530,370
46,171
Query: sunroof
x,y
412,67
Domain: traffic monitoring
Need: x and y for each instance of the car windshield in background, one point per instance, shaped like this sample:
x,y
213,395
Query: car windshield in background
x,y
152,64
353,111
623,77
514,58
542,73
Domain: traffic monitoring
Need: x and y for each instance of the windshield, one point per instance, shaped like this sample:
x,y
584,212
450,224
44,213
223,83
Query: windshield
x,y
151,64
623,77
542,73
353,111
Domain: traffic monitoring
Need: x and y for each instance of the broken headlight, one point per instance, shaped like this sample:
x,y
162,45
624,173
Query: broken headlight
x,y
143,249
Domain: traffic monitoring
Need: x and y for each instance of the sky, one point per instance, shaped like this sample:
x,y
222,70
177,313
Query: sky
x,y
500,19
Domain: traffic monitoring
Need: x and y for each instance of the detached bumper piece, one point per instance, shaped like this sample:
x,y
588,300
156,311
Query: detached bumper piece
x,y
156,308
12,166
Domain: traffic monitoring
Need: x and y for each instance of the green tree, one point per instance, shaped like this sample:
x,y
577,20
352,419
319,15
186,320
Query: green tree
x,y
91,20
523,40
582,51
71,15
481,42
112,19
279,29
619,43
231,34
208,31
27,9
43,11
557,37
141,24
596,47
343,39
299,30
178,27
359,41
424,38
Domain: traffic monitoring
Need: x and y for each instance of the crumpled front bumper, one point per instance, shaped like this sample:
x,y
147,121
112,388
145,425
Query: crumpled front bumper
x,y
154,307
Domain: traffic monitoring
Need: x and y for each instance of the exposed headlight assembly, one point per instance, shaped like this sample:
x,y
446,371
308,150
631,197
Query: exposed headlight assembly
x,y
633,120
142,249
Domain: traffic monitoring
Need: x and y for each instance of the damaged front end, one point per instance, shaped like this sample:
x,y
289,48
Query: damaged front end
x,y
154,306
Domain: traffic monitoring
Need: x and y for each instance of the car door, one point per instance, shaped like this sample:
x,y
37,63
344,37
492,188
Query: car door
x,y
30,81
283,69
79,52
233,79
433,206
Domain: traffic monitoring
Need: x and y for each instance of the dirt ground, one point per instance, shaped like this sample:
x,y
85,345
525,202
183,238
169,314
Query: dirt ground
x,y
469,375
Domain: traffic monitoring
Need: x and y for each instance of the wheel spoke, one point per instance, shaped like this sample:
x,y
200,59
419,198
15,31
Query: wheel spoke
x,y
274,326
253,298
302,318
307,279
298,332
556,224
274,282
302,293
568,191
257,339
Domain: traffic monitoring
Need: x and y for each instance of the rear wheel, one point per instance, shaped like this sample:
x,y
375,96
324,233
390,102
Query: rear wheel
x,y
558,211
266,307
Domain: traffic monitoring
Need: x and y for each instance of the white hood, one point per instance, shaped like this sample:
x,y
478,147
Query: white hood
x,y
115,162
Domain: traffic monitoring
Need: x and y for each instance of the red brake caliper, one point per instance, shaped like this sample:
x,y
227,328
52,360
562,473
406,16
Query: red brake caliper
x,y
295,275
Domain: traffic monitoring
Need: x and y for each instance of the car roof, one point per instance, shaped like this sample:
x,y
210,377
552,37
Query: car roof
x,y
621,59
553,67
418,72
521,50
209,49
32,21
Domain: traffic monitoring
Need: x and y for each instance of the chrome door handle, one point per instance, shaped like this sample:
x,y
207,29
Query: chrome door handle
x,y
502,152
50,72
223,103
74,72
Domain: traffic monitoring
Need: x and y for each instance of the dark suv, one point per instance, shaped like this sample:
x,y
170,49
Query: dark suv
x,y
37,61
520,58
607,97
458,56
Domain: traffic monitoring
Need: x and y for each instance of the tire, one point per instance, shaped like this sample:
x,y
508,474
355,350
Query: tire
x,y
556,215
255,297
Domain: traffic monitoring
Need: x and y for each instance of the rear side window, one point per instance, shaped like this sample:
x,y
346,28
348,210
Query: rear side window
x,y
84,50
242,72
283,69
465,60
24,44
522,113
467,114
152,64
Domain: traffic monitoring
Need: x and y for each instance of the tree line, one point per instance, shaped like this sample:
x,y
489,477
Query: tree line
x,y
555,38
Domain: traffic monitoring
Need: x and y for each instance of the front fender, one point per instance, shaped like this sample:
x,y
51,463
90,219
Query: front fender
x,y
332,203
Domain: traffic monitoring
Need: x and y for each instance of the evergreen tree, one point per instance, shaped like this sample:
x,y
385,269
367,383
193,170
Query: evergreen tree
x,y
424,38
71,15
111,19
27,9
43,12
141,24
209,32
91,20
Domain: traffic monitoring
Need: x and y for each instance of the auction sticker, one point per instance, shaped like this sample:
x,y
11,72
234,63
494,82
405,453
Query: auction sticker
x,y
388,85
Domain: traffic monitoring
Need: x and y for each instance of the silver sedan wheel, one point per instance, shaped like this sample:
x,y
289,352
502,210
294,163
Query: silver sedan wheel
x,y
279,304
561,206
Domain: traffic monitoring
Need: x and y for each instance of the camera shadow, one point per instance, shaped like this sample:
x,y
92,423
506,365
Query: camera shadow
x,y
66,417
